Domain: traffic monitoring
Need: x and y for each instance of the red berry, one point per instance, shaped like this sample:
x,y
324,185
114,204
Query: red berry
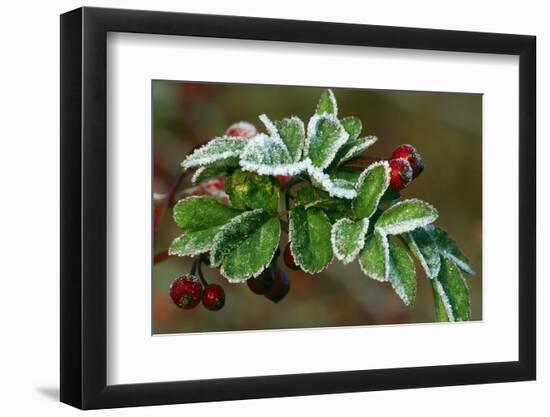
x,y
289,258
409,153
281,285
241,130
282,179
213,297
186,291
401,174
262,283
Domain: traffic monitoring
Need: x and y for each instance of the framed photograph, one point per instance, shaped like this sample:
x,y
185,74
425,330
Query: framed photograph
x,y
261,208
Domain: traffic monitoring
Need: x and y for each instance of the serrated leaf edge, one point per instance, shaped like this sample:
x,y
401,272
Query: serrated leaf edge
x,y
190,162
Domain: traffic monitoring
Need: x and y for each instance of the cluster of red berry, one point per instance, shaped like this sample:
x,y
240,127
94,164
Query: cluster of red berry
x,y
405,164
189,290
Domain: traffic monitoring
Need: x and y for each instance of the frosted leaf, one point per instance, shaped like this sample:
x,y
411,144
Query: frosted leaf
x,y
245,246
449,249
217,149
353,126
405,216
268,155
309,235
244,130
353,148
208,172
402,274
425,249
327,104
201,217
348,238
193,243
374,258
200,212
336,187
371,185
325,136
292,132
452,290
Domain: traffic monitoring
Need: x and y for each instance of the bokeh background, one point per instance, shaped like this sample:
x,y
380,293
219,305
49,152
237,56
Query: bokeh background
x,y
446,128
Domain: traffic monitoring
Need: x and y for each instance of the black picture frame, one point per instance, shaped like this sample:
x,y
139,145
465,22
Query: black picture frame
x,y
84,207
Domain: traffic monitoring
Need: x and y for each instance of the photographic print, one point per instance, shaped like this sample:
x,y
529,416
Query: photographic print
x,y
288,207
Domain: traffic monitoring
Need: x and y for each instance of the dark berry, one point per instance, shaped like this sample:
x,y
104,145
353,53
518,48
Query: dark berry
x,y
409,153
281,285
401,174
241,130
289,258
263,283
186,291
213,297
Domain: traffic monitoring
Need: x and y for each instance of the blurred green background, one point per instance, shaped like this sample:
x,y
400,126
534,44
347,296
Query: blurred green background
x,y
446,128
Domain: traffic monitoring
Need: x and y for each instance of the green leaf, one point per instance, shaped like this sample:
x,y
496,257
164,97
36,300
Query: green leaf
x,y
425,249
371,185
209,172
201,217
245,246
309,236
405,216
348,238
353,126
200,212
292,132
327,104
225,149
449,249
248,190
402,274
193,243
451,287
325,136
353,148
374,257
268,155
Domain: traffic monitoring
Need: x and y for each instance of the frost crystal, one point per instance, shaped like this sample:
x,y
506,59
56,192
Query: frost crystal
x,y
348,238
217,149
335,187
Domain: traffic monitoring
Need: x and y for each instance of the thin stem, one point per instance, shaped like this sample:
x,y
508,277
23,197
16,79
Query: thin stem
x,y
201,276
161,256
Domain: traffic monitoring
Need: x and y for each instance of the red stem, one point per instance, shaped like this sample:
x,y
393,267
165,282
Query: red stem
x,y
161,256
